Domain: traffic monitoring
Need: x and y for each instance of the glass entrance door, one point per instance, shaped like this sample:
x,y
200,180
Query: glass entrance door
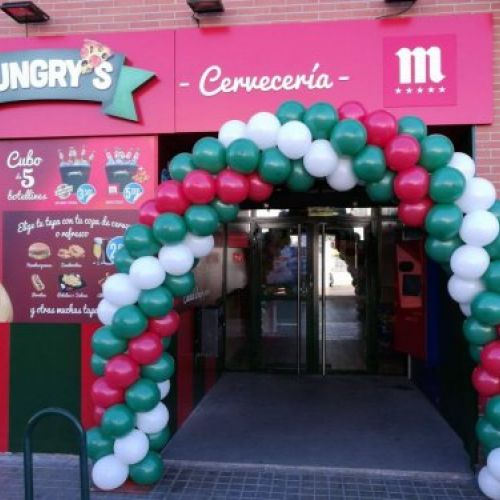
x,y
342,291
284,294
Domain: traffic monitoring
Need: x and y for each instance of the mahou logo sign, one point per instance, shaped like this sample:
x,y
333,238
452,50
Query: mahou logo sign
x,y
420,71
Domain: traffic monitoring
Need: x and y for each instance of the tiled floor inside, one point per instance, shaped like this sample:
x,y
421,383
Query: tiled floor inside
x,y
57,478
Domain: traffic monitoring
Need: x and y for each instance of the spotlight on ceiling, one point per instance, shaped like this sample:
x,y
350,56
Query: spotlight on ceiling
x,y
206,6
24,12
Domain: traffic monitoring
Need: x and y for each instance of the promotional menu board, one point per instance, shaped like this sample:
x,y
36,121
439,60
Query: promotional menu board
x,y
65,206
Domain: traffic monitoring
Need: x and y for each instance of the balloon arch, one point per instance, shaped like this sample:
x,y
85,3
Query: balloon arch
x,y
435,188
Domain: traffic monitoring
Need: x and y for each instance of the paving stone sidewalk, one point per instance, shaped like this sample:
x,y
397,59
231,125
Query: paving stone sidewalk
x,y
57,478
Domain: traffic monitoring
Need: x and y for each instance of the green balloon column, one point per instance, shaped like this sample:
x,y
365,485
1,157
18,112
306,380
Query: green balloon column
x,y
395,160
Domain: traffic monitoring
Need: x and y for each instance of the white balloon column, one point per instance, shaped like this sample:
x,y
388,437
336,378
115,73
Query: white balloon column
x,y
394,160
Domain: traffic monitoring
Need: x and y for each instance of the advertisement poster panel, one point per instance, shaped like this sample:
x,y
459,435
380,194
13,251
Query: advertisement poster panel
x,y
65,205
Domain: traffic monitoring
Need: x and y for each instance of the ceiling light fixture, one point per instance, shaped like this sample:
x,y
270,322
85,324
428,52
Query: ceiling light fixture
x,y
25,12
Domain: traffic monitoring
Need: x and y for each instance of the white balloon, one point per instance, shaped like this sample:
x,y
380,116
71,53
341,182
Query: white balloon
x,y
154,420
479,228
469,262
488,484
479,194
294,139
321,160
464,163
263,129
176,259
164,388
200,246
465,308
231,131
131,448
105,311
109,473
147,273
119,290
344,178
464,291
493,463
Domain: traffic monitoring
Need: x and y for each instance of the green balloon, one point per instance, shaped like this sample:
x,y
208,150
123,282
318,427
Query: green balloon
x,y
123,260
495,209
180,285
149,470
166,342
97,365
140,241
476,333
156,302
201,220
159,440
414,126
274,166
128,322
447,185
369,164
321,118
106,344
142,395
493,248
98,444
169,228
486,308
159,370
492,411
180,165
475,352
299,180
487,434
436,151
382,191
209,154
117,421
441,250
491,277
226,212
243,155
290,110
349,137
444,221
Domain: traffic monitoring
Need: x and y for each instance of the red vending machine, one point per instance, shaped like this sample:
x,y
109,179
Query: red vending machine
x,y
410,331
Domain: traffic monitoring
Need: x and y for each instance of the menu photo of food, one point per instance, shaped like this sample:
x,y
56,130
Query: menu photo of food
x,y
62,258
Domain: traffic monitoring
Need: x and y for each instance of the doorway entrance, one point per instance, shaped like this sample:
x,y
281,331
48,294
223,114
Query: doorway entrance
x,y
309,299
311,289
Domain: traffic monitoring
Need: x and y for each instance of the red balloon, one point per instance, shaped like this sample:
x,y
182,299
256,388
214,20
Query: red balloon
x,y
104,395
148,212
170,198
199,187
490,357
484,382
121,371
401,152
232,187
166,326
146,348
258,189
412,184
98,414
414,214
353,110
381,127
